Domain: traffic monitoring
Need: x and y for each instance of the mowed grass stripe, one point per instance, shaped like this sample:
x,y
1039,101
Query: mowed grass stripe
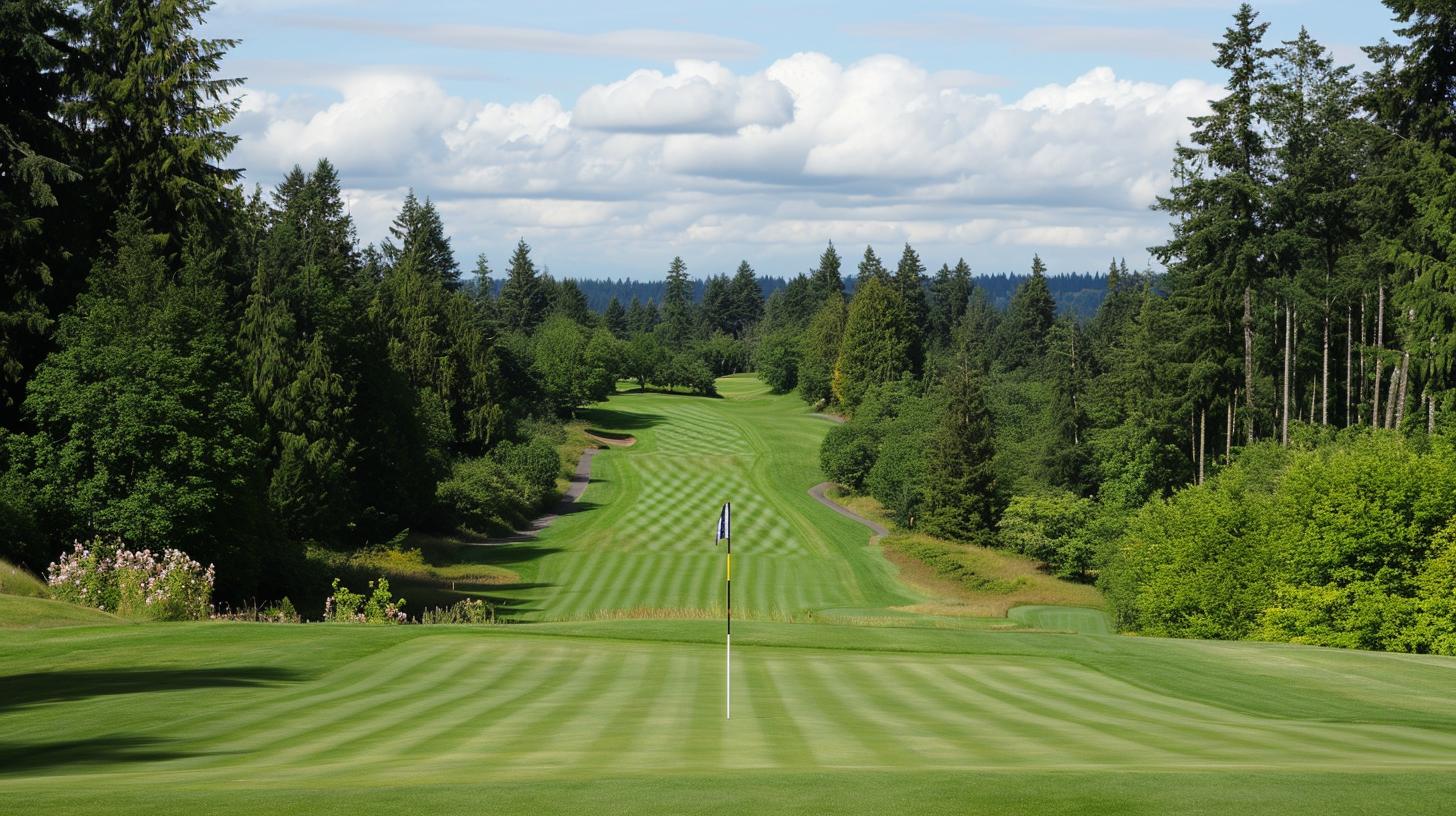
x,y
759,452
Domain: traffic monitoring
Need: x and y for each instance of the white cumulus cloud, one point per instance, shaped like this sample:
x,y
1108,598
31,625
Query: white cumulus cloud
x,y
708,162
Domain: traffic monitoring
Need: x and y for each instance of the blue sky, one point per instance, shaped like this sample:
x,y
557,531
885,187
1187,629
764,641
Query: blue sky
x,y
612,136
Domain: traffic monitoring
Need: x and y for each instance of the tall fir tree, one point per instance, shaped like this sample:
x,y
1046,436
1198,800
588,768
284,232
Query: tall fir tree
x,y
950,295
910,283
1021,336
677,306
825,280
963,501
524,301
876,344
871,267
1218,200
746,298
615,318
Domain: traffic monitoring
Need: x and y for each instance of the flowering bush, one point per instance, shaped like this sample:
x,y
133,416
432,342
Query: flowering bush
x,y
473,610
345,606
138,583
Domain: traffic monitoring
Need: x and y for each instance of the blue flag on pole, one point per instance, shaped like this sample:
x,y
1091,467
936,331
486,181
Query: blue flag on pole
x,y
725,521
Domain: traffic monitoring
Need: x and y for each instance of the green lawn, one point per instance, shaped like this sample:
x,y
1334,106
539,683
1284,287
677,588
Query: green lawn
x,y
641,540
869,709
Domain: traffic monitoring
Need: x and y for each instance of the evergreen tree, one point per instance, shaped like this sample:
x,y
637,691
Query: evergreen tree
x,y
950,294
819,351
825,280
616,318
746,298
1218,200
571,301
1067,456
153,114
870,267
963,500
910,283
523,301
1021,337
37,161
677,306
790,308
717,307
141,431
876,344
423,245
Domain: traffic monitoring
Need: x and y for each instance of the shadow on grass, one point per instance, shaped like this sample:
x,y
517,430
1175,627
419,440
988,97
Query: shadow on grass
x,y
615,422
23,757
37,688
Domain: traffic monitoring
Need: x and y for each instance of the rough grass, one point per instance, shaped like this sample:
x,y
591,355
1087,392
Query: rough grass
x,y
966,579
28,612
16,581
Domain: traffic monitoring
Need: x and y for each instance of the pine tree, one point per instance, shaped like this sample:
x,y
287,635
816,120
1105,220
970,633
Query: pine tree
x,y
950,294
910,284
1067,457
616,318
1021,336
819,351
1218,199
37,162
876,344
423,244
153,113
870,267
963,501
677,306
523,301
716,310
825,280
571,301
746,297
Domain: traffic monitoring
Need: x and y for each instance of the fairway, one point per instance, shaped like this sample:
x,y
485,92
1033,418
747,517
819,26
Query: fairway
x,y
608,698
640,541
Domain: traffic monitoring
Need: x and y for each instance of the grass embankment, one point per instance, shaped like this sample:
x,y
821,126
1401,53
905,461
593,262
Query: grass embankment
x,y
626,716
965,579
23,604
433,569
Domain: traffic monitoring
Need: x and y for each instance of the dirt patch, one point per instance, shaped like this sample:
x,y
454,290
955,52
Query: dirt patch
x,y
615,440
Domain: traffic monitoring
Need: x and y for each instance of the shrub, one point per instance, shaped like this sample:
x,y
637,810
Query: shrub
x,y
472,610
1053,529
777,361
345,606
106,575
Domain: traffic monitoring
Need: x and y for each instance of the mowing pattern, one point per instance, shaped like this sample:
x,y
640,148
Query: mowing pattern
x,y
463,709
644,540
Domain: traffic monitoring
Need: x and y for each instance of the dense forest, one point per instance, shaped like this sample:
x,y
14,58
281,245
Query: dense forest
x,y
1253,441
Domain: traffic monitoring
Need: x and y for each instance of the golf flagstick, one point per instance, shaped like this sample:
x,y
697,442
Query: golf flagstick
x,y
725,534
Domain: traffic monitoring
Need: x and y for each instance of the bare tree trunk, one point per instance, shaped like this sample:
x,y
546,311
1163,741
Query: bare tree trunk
x,y
1325,371
1364,343
1249,364
1202,436
1349,342
1228,444
1404,388
1379,367
1430,413
1284,382
1390,394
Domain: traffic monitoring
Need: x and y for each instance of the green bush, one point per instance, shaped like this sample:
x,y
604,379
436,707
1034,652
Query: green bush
x,y
777,361
1054,529
1346,542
